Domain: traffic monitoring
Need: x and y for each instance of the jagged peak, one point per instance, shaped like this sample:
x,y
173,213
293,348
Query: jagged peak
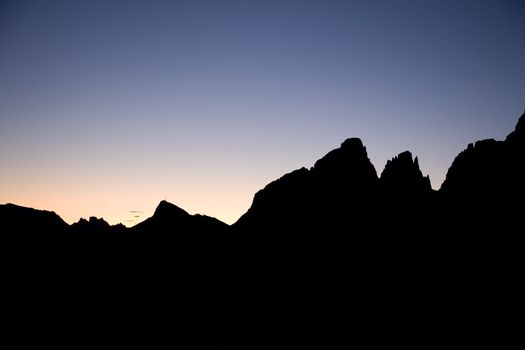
x,y
351,155
402,160
405,156
353,143
166,208
353,147
403,171
93,220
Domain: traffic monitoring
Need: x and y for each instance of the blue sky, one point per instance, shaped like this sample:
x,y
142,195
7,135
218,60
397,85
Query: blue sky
x,y
108,107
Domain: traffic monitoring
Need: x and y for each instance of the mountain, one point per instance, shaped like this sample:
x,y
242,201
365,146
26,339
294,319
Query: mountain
x,y
364,245
96,225
173,237
29,229
169,218
342,182
402,176
338,207
488,168
485,183
388,254
18,220
341,189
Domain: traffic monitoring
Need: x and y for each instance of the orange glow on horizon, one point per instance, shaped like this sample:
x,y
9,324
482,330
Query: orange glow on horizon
x,y
116,204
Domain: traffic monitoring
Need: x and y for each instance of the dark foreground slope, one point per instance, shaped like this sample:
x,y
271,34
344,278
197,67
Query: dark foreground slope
x,y
41,240
325,257
158,283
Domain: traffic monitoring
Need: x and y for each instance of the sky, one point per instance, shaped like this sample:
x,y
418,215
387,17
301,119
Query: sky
x,y
108,107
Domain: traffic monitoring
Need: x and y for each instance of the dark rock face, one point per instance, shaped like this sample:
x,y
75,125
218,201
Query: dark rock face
x,y
477,169
480,195
517,138
489,170
282,198
345,181
403,176
305,194
334,197
406,203
348,165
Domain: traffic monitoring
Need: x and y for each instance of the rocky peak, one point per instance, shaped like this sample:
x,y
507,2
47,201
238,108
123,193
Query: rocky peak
x,y
402,173
169,210
354,144
94,225
96,221
349,162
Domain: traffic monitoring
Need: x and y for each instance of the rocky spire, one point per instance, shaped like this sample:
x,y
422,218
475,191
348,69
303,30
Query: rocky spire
x,y
349,163
402,174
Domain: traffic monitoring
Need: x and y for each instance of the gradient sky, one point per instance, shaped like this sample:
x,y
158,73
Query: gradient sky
x,y
108,107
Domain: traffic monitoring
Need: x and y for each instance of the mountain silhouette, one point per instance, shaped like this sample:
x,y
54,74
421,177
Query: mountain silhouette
x,y
402,176
342,182
169,215
95,224
338,208
18,220
484,183
316,246
488,167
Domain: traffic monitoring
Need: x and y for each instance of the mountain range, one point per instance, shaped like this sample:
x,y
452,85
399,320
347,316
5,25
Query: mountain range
x,y
335,239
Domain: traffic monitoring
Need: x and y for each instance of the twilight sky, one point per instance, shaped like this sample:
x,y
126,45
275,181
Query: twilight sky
x,y
108,107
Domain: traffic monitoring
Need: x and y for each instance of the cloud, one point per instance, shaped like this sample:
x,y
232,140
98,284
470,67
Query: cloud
x,y
136,212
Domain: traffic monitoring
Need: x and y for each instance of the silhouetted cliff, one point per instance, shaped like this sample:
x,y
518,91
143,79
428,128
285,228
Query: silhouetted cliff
x,y
336,181
337,208
483,187
488,168
402,176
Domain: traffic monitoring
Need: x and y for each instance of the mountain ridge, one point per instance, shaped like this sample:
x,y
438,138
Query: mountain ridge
x,y
318,247
338,164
